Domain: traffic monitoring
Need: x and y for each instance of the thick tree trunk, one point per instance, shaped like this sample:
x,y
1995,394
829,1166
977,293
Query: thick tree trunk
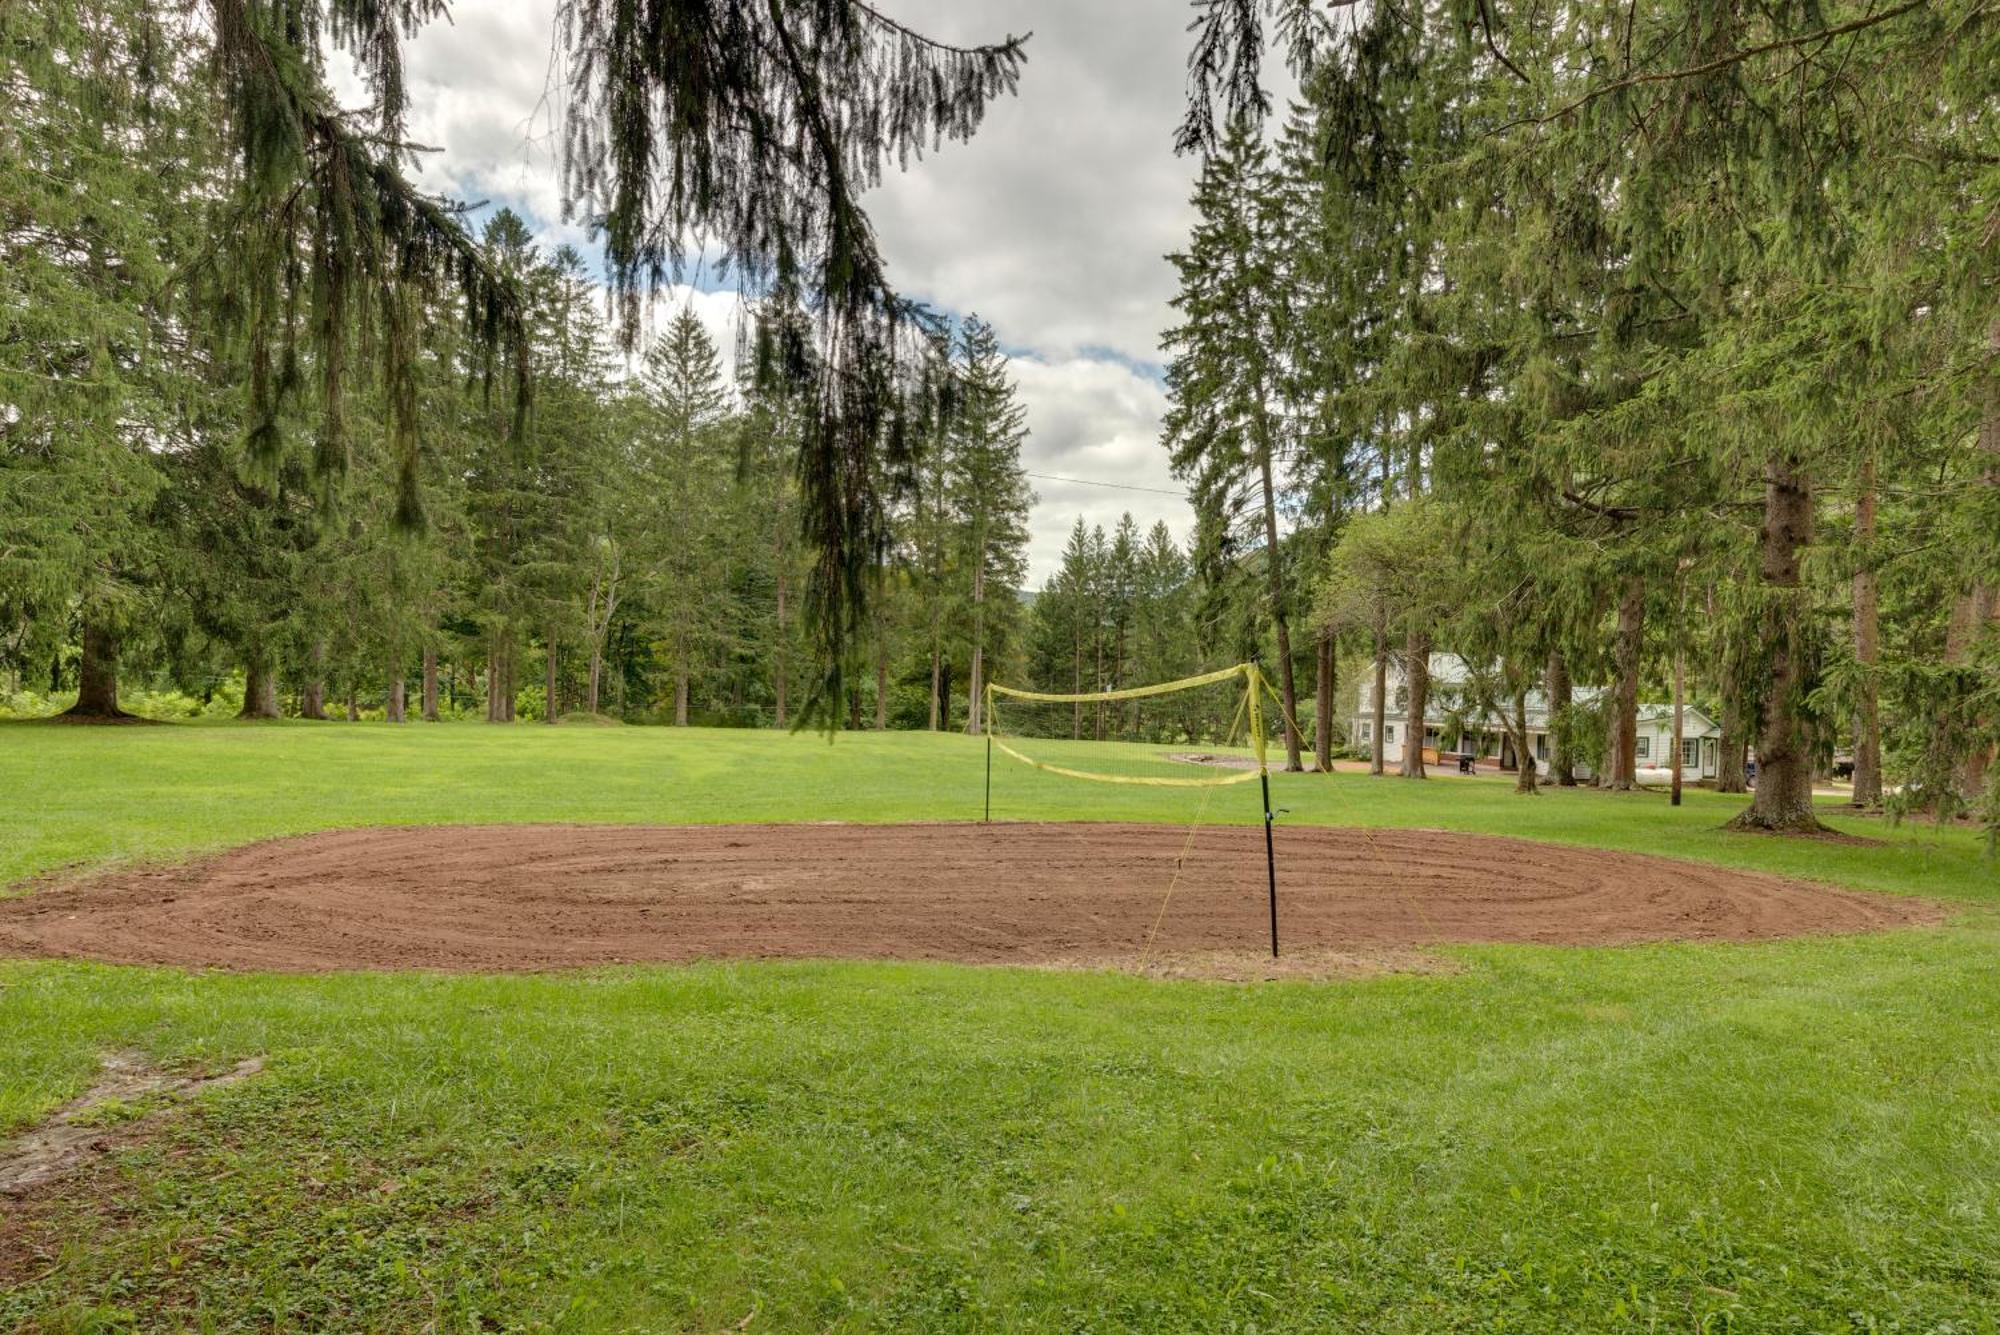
x,y
1680,721
1783,802
1622,764
597,684
681,698
1323,704
1562,760
353,707
97,674
1525,777
260,689
551,660
396,708
1867,647
1417,673
1380,703
1730,773
430,686
312,694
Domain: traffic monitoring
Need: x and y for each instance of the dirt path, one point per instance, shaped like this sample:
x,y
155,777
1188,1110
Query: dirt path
x,y
545,897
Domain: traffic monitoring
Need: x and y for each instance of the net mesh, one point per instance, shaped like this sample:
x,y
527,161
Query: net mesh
x,y
1209,716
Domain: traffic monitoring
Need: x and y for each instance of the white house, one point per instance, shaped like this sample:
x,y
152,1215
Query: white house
x,y
1485,737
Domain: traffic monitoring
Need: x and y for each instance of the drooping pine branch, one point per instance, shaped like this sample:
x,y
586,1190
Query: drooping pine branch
x,y
752,127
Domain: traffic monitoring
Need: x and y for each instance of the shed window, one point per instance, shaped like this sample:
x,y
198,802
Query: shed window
x,y
1644,751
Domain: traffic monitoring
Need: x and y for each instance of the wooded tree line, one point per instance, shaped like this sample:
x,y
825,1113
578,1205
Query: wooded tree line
x,y
178,506
210,263
1603,342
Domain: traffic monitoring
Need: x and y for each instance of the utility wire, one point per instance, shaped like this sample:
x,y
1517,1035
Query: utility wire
x,y
1093,482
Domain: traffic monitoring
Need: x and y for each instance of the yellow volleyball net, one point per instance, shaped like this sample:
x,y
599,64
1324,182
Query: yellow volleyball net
x,y
1217,709
1207,717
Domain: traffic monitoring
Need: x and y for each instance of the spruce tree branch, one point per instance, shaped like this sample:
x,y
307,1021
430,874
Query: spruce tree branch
x,y
1486,30
1711,66
904,30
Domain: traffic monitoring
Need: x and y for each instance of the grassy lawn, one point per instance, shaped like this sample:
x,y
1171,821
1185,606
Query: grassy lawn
x,y
1803,1134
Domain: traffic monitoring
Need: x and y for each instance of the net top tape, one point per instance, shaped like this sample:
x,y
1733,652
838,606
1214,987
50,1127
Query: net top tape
x,y
1130,693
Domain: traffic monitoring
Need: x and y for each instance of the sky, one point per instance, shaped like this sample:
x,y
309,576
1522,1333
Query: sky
x,y
1052,224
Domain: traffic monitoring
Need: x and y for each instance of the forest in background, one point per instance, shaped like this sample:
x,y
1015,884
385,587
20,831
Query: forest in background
x,y
1590,343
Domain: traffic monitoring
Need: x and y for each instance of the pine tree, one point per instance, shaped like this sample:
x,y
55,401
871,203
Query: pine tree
x,y
989,499
1224,428
684,473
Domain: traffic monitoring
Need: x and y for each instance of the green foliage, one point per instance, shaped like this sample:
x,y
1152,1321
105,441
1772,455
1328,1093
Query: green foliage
x,y
1755,1135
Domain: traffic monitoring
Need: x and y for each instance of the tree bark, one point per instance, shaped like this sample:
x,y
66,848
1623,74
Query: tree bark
x,y
680,698
1867,646
1376,764
353,707
937,684
1783,801
1323,704
430,686
1680,719
1562,761
395,708
551,659
1526,779
1730,774
976,677
1417,676
312,693
779,678
1622,765
260,689
97,674
881,670
1286,688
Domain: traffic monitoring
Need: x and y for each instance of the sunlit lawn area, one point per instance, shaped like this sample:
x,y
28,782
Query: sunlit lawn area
x,y
1799,1134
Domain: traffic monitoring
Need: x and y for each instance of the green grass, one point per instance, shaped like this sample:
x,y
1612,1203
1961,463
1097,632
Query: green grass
x,y
1796,1135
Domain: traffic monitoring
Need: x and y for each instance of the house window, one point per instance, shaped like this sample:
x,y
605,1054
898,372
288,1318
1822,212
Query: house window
x,y
1690,752
1644,750
1541,746
1388,732
1367,731
1431,737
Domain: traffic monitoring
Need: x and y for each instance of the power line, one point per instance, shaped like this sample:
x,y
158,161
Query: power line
x,y
1093,482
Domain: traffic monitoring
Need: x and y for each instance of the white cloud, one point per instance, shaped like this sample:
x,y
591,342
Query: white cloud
x,y
1052,222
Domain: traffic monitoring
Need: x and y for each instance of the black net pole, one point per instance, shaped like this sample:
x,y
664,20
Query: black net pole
x,y
1271,863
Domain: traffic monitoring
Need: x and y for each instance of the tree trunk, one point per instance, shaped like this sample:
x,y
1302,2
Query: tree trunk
x,y
680,698
1680,718
779,678
1867,647
881,670
551,707
396,707
1622,764
1525,777
509,686
1275,568
1381,702
353,707
312,693
430,686
976,678
260,689
937,684
1783,801
1730,775
1562,761
97,674
1323,704
1417,674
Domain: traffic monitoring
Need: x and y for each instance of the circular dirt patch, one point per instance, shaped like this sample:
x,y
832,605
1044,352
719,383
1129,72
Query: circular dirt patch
x,y
559,896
